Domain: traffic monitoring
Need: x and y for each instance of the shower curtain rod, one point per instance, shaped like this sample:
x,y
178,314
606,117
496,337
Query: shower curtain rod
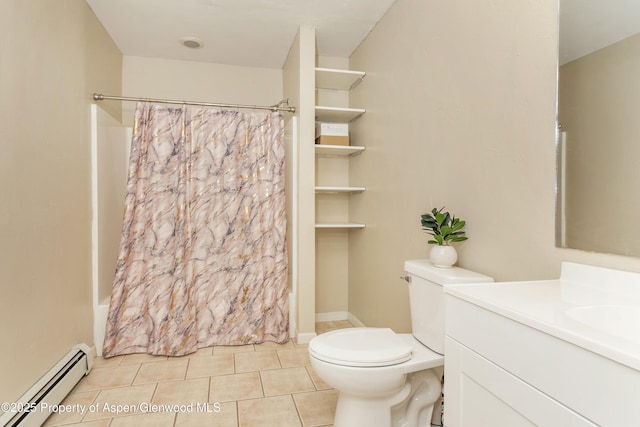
x,y
280,106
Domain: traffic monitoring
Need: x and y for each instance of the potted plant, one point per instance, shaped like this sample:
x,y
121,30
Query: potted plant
x,y
444,229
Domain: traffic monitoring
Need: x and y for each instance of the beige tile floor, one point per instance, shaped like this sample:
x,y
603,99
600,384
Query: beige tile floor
x,y
258,385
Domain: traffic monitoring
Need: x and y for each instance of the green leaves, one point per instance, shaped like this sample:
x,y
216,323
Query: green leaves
x,y
443,227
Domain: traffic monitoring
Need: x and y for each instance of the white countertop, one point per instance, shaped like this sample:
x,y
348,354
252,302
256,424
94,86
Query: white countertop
x,y
546,306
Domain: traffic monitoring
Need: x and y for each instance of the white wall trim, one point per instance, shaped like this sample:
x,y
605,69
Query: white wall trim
x,y
339,315
355,321
332,316
304,338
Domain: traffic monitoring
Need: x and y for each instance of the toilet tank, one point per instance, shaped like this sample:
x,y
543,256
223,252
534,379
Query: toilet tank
x,y
426,298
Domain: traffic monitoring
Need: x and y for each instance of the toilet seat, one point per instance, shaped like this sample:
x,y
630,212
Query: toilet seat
x,y
361,347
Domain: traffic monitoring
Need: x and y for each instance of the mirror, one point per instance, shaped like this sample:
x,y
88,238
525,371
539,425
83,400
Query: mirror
x,y
598,138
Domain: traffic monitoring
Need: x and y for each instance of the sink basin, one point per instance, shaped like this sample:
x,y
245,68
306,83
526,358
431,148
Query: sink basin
x,y
622,321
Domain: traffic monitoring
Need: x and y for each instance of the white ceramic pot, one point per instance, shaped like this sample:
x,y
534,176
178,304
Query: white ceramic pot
x,y
443,256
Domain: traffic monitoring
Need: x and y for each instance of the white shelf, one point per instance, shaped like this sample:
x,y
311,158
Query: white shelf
x,y
340,225
337,114
326,189
338,150
331,78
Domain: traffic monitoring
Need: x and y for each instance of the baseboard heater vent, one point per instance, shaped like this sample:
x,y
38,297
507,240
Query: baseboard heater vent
x,y
33,408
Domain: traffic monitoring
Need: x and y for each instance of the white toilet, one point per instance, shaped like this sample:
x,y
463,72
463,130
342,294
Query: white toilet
x,y
387,379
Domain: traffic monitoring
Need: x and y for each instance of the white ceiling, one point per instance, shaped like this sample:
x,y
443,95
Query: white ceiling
x,y
258,33
589,25
255,33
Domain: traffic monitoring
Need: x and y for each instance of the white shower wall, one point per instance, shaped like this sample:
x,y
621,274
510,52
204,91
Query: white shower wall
x,y
110,142
291,184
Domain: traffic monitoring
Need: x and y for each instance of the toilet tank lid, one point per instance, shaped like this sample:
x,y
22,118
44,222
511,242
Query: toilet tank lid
x,y
443,276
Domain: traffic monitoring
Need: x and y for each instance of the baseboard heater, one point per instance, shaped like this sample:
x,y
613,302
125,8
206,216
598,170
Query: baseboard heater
x,y
33,408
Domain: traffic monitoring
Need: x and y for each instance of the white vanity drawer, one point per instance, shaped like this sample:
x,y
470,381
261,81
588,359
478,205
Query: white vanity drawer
x,y
481,394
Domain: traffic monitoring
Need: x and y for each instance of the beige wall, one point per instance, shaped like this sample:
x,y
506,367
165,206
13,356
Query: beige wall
x,y
460,99
198,81
54,55
599,101
291,89
299,82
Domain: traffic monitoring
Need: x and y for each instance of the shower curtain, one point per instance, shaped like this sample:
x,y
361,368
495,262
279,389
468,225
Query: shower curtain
x,y
202,258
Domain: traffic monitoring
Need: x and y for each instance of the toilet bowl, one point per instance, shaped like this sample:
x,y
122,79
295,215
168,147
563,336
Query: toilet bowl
x,y
387,379
371,372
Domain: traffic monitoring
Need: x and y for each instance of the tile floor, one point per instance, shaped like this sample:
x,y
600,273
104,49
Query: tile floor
x,y
245,386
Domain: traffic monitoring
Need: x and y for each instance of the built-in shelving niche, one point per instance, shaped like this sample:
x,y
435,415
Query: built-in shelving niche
x,y
345,80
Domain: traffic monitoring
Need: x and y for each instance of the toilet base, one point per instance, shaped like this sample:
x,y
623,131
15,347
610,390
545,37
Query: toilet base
x,y
411,406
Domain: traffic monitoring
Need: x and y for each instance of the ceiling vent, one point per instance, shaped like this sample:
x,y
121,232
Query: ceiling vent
x,y
191,42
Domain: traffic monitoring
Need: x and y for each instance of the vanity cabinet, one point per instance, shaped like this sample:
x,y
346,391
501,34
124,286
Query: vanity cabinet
x,y
332,189
502,371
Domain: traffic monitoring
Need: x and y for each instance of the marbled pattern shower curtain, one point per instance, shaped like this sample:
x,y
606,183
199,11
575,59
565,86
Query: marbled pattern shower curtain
x,y
203,253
